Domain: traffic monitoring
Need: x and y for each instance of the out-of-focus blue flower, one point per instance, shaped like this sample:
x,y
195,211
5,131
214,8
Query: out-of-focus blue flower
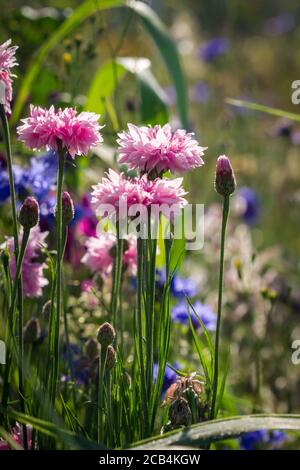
x,y
184,287
213,48
251,440
204,312
283,128
42,174
4,186
248,205
279,24
277,438
169,377
200,92
180,286
262,438
170,95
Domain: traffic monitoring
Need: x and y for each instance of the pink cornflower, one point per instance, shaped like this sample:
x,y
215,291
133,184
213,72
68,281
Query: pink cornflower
x,y
33,264
17,436
115,190
157,149
99,254
77,133
7,61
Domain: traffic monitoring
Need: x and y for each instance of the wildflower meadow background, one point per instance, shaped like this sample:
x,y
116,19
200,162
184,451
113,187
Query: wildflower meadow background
x,y
117,342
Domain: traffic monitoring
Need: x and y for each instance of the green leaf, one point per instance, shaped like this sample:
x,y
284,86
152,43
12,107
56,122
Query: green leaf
x,y
152,24
81,13
264,109
202,434
169,52
109,76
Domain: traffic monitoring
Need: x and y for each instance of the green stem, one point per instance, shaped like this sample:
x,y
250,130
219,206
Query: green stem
x,y
101,370
59,247
11,315
115,300
140,331
220,294
11,178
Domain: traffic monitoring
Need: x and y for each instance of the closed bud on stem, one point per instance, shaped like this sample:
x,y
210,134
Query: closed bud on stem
x,y
29,213
32,331
91,348
67,208
111,357
106,334
225,183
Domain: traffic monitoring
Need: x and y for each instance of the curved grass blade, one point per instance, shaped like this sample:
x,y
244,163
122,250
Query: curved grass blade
x,y
152,24
168,50
202,434
66,437
109,76
264,109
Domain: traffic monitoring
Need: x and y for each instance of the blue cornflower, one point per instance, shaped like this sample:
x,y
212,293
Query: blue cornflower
x,y
180,286
183,287
249,205
279,24
4,186
204,312
262,438
214,48
42,174
169,377
200,92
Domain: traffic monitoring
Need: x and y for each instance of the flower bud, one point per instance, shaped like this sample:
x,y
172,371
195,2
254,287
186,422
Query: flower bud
x,y
111,357
106,334
180,413
29,213
32,331
67,208
91,348
225,183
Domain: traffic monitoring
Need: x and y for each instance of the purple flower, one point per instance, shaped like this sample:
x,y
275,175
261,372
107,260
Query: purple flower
x,y
213,48
42,174
248,205
204,312
261,439
279,24
251,440
169,377
180,286
200,92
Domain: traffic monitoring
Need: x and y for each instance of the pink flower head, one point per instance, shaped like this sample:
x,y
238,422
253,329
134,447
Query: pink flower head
x,y
77,133
33,264
99,254
115,190
7,55
7,61
159,149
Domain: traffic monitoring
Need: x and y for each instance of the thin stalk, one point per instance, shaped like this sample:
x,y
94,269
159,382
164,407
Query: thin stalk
x,y
151,268
109,409
59,247
140,331
12,320
115,300
220,295
11,178
101,370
